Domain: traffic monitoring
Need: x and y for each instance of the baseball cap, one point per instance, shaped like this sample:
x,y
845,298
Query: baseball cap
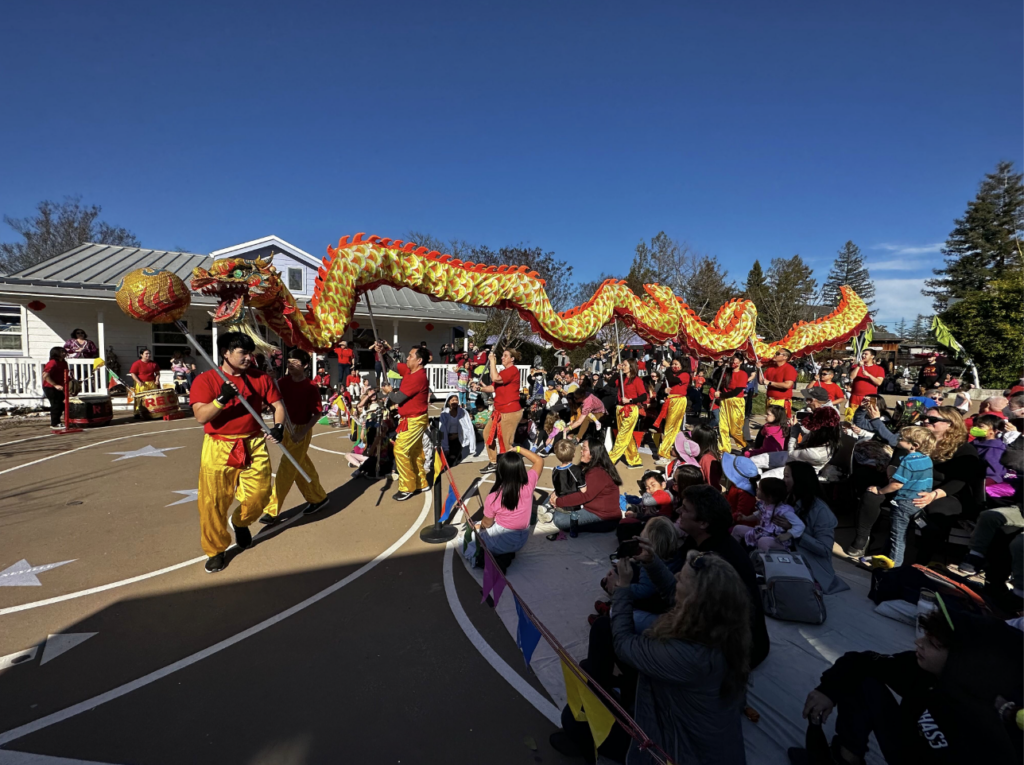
x,y
815,394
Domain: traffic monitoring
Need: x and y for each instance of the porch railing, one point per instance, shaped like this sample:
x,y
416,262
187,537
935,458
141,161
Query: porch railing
x,y
21,382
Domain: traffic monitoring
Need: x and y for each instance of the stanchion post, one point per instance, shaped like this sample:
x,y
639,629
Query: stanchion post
x,y
67,406
438,533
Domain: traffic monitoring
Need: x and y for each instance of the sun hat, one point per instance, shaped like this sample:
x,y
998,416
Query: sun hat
x,y
687,450
740,470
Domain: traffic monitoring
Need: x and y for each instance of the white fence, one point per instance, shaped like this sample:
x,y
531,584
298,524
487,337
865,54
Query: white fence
x,y
21,382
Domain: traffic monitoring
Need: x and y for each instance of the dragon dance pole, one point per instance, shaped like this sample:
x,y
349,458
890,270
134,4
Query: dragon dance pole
x,y
248,407
380,384
618,360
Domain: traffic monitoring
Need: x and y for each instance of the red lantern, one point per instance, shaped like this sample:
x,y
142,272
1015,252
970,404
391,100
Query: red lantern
x,y
429,326
354,324
37,305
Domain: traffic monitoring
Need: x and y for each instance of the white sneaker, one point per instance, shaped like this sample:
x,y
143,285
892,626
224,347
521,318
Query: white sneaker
x,y
545,517
661,461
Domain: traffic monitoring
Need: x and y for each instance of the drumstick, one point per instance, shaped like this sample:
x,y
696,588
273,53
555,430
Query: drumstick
x,y
248,407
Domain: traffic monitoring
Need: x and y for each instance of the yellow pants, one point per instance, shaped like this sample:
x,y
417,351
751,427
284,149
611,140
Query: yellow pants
x,y
312,492
673,424
785,403
508,423
625,444
412,476
730,425
219,484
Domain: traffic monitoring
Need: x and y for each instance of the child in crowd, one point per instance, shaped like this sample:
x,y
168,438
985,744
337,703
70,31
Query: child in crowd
x,y
990,446
555,428
741,495
772,436
566,478
913,475
657,498
706,438
771,506
463,382
684,452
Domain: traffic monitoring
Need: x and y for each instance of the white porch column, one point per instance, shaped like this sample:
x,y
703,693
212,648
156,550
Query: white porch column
x,y
465,343
101,335
394,326
313,370
213,340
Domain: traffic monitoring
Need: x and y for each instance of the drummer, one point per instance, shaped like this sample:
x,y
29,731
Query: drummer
x,y
145,372
54,379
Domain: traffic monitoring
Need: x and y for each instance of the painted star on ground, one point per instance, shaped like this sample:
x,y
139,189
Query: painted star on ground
x,y
189,495
145,451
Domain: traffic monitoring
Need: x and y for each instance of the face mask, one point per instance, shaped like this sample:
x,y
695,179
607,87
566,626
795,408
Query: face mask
x,y
979,432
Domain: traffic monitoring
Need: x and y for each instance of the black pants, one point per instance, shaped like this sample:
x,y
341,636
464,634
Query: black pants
x,y
869,708
56,399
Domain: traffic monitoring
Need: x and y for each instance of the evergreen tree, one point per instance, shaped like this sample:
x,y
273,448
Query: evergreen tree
x,y
756,284
786,298
901,329
848,270
985,243
920,329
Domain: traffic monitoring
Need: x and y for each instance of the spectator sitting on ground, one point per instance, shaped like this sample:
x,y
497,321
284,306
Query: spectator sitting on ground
x,y
820,434
506,523
770,509
772,435
992,405
656,498
818,538
741,495
601,500
986,431
710,463
953,693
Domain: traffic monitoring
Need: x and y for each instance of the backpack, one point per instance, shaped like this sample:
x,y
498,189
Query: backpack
x,y
788,589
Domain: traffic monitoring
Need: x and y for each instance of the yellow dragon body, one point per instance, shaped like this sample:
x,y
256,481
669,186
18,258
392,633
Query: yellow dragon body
x,y
359,265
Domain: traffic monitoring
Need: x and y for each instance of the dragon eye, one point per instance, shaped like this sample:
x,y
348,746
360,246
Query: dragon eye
x,y
238,274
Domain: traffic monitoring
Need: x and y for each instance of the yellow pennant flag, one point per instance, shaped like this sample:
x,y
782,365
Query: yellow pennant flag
x,y
437,464
584,705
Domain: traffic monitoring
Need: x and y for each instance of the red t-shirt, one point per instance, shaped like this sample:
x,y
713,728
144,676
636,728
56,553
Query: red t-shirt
x,y
479,359
741,503
416,387
738,382
146,371
785,373
353,380
506,391
635,388
835,393
684,384
862,386
234,420
301,399
344,355
55,369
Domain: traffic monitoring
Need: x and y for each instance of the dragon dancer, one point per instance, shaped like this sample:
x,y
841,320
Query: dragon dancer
x,y
508,412
303,405
674,411
413,398
632,394
234,461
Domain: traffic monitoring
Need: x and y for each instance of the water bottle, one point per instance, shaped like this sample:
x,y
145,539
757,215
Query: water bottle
x,y
574,524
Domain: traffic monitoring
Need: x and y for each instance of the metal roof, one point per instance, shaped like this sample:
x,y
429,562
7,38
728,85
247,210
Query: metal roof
x,y
94,270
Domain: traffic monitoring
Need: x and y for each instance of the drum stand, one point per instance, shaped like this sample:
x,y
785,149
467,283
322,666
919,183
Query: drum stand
x,y
67,408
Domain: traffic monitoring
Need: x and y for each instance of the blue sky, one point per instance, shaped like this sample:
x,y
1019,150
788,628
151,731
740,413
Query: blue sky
x,y
750,131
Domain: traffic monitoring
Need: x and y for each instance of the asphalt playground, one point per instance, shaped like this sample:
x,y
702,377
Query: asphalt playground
x,y
336,638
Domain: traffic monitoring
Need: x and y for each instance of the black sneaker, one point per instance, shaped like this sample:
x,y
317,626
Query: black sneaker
x,y
243,537
401,496
489,468
311,508
269,520
215,564
856,548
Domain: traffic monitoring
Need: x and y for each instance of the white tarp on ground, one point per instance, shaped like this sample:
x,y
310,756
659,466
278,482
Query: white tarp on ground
x,y
561,580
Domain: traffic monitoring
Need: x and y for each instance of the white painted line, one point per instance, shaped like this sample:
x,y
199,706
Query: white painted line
x,y
97,443
27,758
122,690
513,678
101,588
23,440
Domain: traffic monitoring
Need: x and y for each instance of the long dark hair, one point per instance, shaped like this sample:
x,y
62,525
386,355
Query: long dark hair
x,y
509,479
806,487
823,436
599,458
707,439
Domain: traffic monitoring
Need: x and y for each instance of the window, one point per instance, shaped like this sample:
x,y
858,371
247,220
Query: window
x,y
12,337
296,284
166,340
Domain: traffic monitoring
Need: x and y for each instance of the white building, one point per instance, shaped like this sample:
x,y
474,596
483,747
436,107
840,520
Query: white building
x,y
41,305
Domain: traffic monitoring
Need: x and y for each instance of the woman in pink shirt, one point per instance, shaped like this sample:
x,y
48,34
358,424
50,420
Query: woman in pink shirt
x,y
506,523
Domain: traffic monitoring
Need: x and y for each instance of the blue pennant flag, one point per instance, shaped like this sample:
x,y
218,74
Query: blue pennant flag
x,y
527,634
449,505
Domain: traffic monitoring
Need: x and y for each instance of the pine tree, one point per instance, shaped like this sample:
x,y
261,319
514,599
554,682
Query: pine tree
x,y
756,283
848,270
920,329
786,298
901,329
985,243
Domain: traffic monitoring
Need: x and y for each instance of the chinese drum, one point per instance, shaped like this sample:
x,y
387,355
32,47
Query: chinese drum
x,y
89,411
155,404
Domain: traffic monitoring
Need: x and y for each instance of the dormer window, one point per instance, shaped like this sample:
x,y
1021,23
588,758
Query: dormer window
x,y
296,284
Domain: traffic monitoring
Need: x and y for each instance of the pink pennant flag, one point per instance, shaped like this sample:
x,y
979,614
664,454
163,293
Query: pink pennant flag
x,y
494,581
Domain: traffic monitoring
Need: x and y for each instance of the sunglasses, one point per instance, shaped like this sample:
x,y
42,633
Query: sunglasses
x,y
934,420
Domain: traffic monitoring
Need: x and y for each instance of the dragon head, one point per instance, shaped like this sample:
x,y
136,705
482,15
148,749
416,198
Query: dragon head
x,y
238,283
